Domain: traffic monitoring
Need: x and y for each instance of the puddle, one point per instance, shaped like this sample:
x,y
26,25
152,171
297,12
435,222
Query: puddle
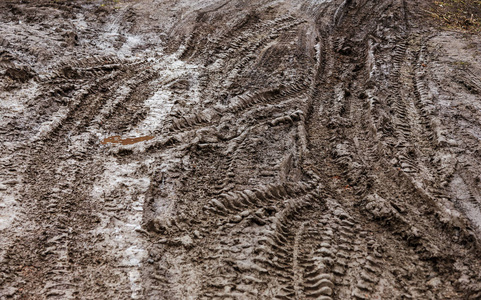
x,y
117,139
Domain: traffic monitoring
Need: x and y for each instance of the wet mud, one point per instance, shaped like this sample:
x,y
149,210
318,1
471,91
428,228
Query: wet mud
x,y
238,150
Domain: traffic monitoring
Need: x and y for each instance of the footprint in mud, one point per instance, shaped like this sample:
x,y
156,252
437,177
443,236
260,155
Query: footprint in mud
x,y
117,139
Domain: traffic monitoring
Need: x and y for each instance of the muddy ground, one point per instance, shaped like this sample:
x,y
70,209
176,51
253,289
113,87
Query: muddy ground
x,y
238,150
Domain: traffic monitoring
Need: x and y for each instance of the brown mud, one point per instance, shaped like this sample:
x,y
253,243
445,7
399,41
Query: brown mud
x,y
117,139
285,150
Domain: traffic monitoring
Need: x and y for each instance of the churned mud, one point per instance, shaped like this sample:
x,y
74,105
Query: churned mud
x,y
238,150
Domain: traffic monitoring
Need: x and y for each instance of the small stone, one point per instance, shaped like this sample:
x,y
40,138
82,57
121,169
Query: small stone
x,y
186,241
236,219
434,282
464,279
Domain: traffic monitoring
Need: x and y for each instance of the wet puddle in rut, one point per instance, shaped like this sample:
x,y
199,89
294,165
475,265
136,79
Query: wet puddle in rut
x,y
117,139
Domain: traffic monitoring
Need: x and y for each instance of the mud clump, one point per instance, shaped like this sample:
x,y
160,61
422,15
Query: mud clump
x,y
263,150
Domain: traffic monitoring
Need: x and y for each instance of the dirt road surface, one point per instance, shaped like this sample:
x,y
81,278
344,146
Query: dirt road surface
x,y
238,150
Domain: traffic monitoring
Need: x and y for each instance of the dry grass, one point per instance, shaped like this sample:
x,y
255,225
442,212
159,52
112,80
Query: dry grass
x,y
458,14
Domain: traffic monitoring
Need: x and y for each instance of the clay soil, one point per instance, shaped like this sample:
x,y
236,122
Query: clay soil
x,y
268,149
